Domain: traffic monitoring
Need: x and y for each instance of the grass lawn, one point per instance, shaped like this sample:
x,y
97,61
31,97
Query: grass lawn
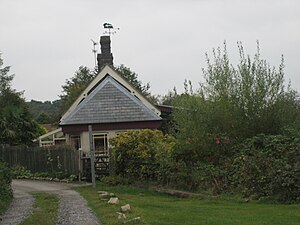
x,y
45,210
156,209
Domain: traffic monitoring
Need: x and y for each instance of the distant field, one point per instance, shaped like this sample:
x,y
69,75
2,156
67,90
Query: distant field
x,y
156,209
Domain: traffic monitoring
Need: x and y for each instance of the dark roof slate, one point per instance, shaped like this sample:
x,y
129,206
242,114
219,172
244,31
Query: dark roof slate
x,y
110,102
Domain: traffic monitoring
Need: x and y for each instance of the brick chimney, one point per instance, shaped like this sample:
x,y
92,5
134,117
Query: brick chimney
x,y
105,57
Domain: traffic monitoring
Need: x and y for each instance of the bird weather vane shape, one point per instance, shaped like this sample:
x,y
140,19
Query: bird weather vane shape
x,y
110,30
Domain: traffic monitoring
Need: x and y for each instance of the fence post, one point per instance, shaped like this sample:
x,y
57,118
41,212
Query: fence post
x,y
92,154
79,164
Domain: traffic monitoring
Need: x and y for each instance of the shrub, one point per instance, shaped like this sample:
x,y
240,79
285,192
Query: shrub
x,y
143,155
20,172
268,167
5,186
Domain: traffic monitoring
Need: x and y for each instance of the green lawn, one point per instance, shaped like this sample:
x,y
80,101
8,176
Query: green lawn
x,y
156,209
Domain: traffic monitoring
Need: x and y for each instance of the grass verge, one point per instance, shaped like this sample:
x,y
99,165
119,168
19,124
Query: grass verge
x,y
4,203
159,209
45,210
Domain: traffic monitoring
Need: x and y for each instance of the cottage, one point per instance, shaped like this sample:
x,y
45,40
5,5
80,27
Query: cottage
x,y
110,105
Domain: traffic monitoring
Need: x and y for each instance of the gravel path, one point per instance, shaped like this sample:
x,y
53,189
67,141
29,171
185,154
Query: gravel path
x,y
73,208
20,208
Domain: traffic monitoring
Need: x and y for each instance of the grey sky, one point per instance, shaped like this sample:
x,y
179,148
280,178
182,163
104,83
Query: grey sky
x,y
163,41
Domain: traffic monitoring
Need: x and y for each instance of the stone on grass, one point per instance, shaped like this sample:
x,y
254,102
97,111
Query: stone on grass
x,y
125,208
136,219
121,216
113,201
103,194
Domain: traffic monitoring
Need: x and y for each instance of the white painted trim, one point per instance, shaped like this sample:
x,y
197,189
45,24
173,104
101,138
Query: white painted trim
x,y
50,133
112,81
107,70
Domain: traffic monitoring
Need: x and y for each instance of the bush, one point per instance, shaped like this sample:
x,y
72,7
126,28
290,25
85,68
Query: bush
x,y
5,187
143,155
268,167
20,172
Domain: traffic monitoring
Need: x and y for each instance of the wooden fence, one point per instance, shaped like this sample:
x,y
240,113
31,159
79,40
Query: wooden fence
x,y
62,158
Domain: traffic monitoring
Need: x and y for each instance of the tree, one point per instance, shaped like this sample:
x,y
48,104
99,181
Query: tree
x,y
5,79
75,86
232,104
44,118
45,112
16,123
132,78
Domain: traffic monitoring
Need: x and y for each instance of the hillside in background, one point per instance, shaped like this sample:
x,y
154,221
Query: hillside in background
x,y
45,112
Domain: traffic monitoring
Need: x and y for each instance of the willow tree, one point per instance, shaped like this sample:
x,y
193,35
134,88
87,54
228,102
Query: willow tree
x,y
234,103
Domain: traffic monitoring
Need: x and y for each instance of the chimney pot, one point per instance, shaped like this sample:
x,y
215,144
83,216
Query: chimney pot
x,y
105,57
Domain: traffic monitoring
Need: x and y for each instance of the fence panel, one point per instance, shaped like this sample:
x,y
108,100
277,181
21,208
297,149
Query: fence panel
x,y
62,158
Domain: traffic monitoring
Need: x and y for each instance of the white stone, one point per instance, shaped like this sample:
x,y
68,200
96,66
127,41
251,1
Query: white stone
x,y
125,208
103,194
121,216
136,219
113,201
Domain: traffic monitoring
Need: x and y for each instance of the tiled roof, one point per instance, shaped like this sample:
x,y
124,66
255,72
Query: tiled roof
x,y
110,102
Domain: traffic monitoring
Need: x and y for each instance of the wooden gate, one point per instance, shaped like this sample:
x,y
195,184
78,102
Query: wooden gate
x,y
101,166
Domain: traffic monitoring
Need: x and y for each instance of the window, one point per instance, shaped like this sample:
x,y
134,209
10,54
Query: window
x,y
75,141
100,143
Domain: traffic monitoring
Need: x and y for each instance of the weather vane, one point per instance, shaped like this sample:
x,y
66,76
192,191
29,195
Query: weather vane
x,y
110,30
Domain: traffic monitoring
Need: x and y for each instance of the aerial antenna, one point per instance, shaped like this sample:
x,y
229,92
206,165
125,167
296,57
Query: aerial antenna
x,y
109,29
94,50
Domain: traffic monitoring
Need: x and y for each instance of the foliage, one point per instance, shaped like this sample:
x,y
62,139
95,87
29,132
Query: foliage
x,y
45,112
132,78
253,94
161,209
75,86
16,123
5,79
142,155
5,186
233,104
20,172
268,167
168,99
45,210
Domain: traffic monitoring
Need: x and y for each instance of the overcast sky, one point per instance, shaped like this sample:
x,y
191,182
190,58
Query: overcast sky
x,y
164,42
